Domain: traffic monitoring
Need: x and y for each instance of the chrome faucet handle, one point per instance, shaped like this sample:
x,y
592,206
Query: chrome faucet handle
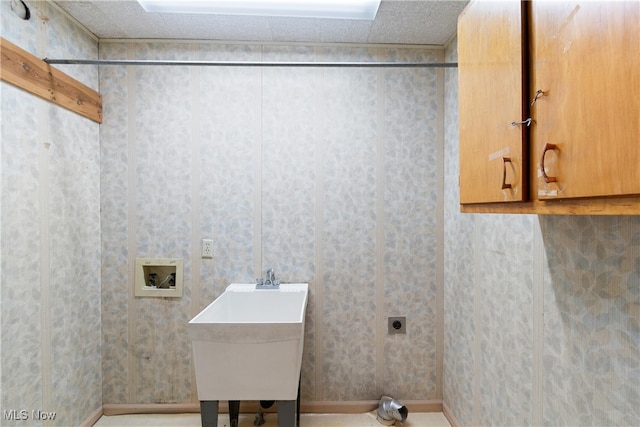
x,y
270,281
271,275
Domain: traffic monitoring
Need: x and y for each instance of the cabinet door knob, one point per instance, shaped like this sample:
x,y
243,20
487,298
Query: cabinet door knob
x,y
547,147
505,185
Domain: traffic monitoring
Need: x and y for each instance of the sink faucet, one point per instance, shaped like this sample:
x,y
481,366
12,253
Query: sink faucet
x,y
270,281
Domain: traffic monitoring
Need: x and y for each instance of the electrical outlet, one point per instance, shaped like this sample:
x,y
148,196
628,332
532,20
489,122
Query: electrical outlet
x,y
207,248
397,325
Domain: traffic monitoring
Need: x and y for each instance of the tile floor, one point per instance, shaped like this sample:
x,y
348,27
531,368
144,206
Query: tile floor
x,y
420,419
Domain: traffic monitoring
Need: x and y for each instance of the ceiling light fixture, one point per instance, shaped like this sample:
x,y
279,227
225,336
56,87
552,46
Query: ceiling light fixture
x,y
332,9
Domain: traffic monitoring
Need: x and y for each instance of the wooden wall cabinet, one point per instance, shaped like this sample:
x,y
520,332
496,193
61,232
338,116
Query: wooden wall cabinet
x,y
572,68
491,89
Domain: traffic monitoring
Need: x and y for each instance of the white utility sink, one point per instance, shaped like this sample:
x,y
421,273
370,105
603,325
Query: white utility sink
x,y
247,344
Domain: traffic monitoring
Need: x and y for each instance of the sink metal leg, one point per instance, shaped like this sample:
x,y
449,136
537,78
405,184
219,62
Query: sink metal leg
x,y
286,413
234,411
209,413
298,403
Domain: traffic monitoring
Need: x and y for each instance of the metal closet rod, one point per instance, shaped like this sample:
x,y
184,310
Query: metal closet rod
x,y
52,61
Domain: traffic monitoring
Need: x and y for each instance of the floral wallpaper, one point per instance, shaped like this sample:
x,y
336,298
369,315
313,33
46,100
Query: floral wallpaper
x,y
591,357
50,227
322,174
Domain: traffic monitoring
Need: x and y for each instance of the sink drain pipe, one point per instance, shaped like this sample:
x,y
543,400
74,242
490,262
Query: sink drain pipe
x,y
390,411
264,404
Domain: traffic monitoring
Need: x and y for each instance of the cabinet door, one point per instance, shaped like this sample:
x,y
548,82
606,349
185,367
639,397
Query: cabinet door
x,y
491,85
586,60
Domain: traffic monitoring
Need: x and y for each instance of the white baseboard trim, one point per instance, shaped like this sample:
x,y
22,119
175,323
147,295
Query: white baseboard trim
x,y
359,407
309,407
152,408
449,415
92,418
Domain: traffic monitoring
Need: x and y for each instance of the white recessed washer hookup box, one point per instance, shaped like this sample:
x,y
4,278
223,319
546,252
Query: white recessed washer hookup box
x,y
159,277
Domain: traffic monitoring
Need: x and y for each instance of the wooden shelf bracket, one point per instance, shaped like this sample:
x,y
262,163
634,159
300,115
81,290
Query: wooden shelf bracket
x,y
24,70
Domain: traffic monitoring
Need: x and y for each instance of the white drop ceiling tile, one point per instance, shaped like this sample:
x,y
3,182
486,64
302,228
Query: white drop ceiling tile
x,y
415,22
338,32
91,16
397,22
295,30
207,27
252,28
320,30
